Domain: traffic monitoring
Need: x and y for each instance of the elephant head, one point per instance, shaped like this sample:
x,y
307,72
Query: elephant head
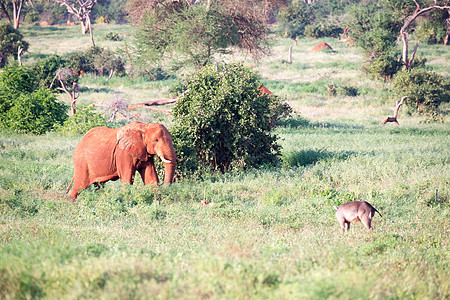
x,y
143,140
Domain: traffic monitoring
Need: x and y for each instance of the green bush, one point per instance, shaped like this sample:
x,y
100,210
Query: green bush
x,y
322,30
10,40
95,60
37,113
425,89
430,31
15,80
383,66
222,122
45,70
82,122
112,36
107,61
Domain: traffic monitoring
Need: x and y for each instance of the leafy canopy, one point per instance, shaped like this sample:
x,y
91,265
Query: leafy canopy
x,y
223,122
192,34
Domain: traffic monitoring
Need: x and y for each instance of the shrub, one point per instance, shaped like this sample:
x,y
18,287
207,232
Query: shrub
x,y
430,32
37,113
383,66
222,122
106,62
15,80
82,122
425,89
45,70
96,60
112,36
10,40
321,30
347,90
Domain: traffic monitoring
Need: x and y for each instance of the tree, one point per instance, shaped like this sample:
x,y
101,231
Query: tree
x,y
14,6
374,27
190,32
315,16
81,10
222,121
421,7
10,41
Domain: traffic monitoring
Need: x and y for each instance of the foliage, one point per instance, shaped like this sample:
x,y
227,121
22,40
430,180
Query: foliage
x,y
37,113
375,29
10,40
107,61
425,89
383,66
96,60
192,34
222,121
14,81
112,36
430,31
82,122
317,19
322,30
45,70
83,60
25,108
114,11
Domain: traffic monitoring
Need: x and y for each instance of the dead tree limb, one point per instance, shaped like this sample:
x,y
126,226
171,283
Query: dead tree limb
x,y
62,75
148,104
394,118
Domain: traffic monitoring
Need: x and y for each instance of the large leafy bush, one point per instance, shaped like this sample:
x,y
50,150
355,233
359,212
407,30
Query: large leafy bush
x,y
23,107
425,89
223,122
37,112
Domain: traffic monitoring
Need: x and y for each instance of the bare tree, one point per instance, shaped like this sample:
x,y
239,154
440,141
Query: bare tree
x,y
61,76
420,9
81,10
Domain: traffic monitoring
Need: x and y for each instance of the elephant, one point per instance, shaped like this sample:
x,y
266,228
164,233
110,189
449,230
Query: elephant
x,y
109,154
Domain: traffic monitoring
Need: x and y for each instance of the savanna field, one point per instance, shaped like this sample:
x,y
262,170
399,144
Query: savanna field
x,y
268,233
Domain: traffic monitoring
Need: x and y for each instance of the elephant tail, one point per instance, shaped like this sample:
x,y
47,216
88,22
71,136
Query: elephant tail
x,y
68,188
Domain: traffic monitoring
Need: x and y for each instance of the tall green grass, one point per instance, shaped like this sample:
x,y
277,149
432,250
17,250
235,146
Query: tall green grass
x,y
270,233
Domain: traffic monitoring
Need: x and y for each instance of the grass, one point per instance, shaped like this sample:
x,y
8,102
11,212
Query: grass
x,y
271,232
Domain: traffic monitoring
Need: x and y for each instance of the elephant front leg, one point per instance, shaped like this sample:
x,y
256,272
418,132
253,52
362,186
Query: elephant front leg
x,y
148,172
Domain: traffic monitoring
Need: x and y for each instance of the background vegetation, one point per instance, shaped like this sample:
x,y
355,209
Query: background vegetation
x,y
270,232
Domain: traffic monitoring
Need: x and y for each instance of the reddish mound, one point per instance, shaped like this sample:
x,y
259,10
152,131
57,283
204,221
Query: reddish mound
x,y
320,47
263,90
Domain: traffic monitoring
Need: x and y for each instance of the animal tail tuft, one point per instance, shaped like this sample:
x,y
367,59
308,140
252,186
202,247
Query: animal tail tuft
x,y
378,212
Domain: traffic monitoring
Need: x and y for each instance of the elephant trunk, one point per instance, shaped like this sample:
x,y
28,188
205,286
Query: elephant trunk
x,y
169,171
170,162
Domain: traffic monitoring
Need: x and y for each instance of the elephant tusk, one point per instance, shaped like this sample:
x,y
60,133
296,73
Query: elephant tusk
x,y
165,160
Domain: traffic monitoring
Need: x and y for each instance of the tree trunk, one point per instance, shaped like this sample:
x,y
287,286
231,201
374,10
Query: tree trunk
x,y
408,62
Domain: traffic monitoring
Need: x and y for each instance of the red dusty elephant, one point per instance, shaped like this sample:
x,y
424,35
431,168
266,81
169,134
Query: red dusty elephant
x,y
109,154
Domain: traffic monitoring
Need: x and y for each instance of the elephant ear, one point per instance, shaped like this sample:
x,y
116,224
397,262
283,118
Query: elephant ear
x,y
130,138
